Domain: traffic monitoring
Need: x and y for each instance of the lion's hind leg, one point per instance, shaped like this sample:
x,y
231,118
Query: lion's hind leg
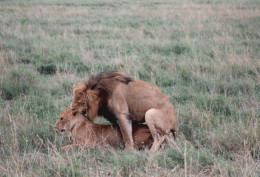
x,y
151,118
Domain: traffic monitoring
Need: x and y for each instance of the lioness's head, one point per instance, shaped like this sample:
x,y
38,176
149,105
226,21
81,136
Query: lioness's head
x,y
66,120
85,101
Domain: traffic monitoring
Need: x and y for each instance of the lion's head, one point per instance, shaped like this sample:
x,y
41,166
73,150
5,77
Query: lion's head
x,y
89,95
85,101
66,120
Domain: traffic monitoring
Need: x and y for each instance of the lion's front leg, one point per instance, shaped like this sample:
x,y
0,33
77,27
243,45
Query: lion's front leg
x,y
126,129
119,106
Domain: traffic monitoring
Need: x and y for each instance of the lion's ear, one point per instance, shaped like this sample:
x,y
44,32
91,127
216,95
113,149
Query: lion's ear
x,y
99,100
79,86
84,111
74,113
76,85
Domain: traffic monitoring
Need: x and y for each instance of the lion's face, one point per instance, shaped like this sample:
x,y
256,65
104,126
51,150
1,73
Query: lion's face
x,y
85,101
79,101
79,97
64,119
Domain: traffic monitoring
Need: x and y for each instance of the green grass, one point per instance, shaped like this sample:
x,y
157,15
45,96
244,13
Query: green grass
x,y
203,54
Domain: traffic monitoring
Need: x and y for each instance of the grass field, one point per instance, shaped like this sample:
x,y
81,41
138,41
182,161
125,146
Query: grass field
x,y
203,54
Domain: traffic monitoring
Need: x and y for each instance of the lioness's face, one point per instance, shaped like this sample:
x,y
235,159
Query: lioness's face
x,y
62,123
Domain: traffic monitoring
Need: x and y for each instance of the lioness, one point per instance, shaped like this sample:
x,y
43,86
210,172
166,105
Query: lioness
x,y
88,134
124,100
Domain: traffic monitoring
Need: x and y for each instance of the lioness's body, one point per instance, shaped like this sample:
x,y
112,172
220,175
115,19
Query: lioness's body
x,y
122,99
86,133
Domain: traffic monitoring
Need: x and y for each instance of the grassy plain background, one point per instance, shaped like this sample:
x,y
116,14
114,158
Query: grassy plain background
x,y
203,54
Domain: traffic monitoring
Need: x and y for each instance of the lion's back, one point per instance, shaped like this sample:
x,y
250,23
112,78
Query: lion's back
x,y
142,96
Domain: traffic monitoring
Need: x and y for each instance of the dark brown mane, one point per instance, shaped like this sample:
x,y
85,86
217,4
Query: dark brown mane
x,y
105,82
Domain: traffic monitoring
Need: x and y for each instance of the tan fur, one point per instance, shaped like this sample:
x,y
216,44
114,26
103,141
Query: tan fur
x,y
85,133
124,100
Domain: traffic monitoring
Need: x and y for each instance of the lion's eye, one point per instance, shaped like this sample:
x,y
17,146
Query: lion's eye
x,y
61,118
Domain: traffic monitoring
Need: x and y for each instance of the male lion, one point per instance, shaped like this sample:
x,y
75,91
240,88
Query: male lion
x,y
124,100
86,133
